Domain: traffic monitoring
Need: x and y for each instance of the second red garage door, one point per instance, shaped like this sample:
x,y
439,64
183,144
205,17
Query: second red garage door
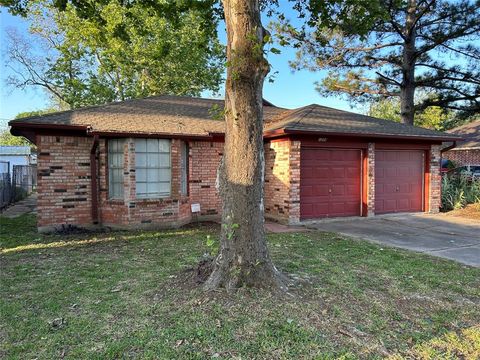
x,y
398,181
330,184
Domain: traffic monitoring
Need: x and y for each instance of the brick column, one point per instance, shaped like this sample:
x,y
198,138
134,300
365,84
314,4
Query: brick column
x,y
294,192
129,176
371,180
435,179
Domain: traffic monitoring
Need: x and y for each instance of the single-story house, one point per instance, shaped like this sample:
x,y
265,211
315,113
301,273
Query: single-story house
x,y
153,162
466,151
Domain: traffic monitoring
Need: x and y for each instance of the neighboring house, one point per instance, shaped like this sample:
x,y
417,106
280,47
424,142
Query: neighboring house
x,y
16,155
153,162
467,151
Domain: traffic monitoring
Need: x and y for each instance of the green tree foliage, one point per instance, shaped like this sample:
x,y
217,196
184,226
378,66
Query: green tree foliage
x,y
117,52
433,117
26,114
8,139
410,45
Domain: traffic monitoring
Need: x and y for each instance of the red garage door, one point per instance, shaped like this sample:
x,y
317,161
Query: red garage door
x,y
330,183
398,181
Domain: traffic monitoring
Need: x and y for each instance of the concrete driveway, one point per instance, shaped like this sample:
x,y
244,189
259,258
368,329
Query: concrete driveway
x,y
440,235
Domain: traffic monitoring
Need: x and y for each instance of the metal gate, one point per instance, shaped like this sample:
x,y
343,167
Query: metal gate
x,y
24,180
6,192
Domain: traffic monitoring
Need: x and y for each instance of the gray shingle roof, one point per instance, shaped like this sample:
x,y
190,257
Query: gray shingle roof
x,y
320,119
178,115
471,133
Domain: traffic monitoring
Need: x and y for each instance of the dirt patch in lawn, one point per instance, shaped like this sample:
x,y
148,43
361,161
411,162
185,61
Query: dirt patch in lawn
x,y
471,211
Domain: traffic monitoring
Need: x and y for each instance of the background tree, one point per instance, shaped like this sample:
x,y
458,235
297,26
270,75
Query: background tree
x,y
115,53
428,45
8,139
433,117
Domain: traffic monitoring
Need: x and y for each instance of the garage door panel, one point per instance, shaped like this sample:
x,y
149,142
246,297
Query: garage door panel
x,y
379,190
404,171
339,190
390,172
406,188
390,156
379,174
337,172
389,188
398,181
308,208
352,172
390,205
403,203
321,190
308,190
320,207
321,172
336,183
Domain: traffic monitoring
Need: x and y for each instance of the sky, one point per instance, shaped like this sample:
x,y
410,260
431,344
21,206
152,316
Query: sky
x,y
289,90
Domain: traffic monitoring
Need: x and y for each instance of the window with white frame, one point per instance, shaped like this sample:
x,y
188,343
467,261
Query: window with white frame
x,y
152,168
115,168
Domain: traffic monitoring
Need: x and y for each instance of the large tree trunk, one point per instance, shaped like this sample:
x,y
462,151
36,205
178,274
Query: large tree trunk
x,y
243,259
407,89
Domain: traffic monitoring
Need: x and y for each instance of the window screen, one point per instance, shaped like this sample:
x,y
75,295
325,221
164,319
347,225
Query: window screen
x,y
115,168
152,168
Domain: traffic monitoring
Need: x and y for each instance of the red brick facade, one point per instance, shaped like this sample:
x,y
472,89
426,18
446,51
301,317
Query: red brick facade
x,y
204,160
65,187
282,180
463,156
370,181
435,196
64,192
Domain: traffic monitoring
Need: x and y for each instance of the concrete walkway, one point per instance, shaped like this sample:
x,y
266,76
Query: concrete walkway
x,y
25,206
276,228
439,235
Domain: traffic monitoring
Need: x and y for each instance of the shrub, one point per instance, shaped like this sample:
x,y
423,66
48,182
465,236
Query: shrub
x,y
458,191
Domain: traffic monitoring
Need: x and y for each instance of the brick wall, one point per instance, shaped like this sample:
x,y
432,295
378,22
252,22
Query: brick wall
x,y
463,157
435,179
204,160
64,192
133,212
294,213
64,185
282,180
277,179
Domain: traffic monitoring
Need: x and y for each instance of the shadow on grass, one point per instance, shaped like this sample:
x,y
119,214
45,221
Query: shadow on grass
x,y
20,234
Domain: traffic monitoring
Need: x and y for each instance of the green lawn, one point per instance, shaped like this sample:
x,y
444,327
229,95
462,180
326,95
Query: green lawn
x,y
130,295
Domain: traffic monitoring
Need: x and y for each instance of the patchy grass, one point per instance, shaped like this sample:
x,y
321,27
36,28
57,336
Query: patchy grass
x,y
129,295
471,211
18,231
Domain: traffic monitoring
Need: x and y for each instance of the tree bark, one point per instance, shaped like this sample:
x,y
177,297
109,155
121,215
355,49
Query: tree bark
x,y
243,258
407,88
